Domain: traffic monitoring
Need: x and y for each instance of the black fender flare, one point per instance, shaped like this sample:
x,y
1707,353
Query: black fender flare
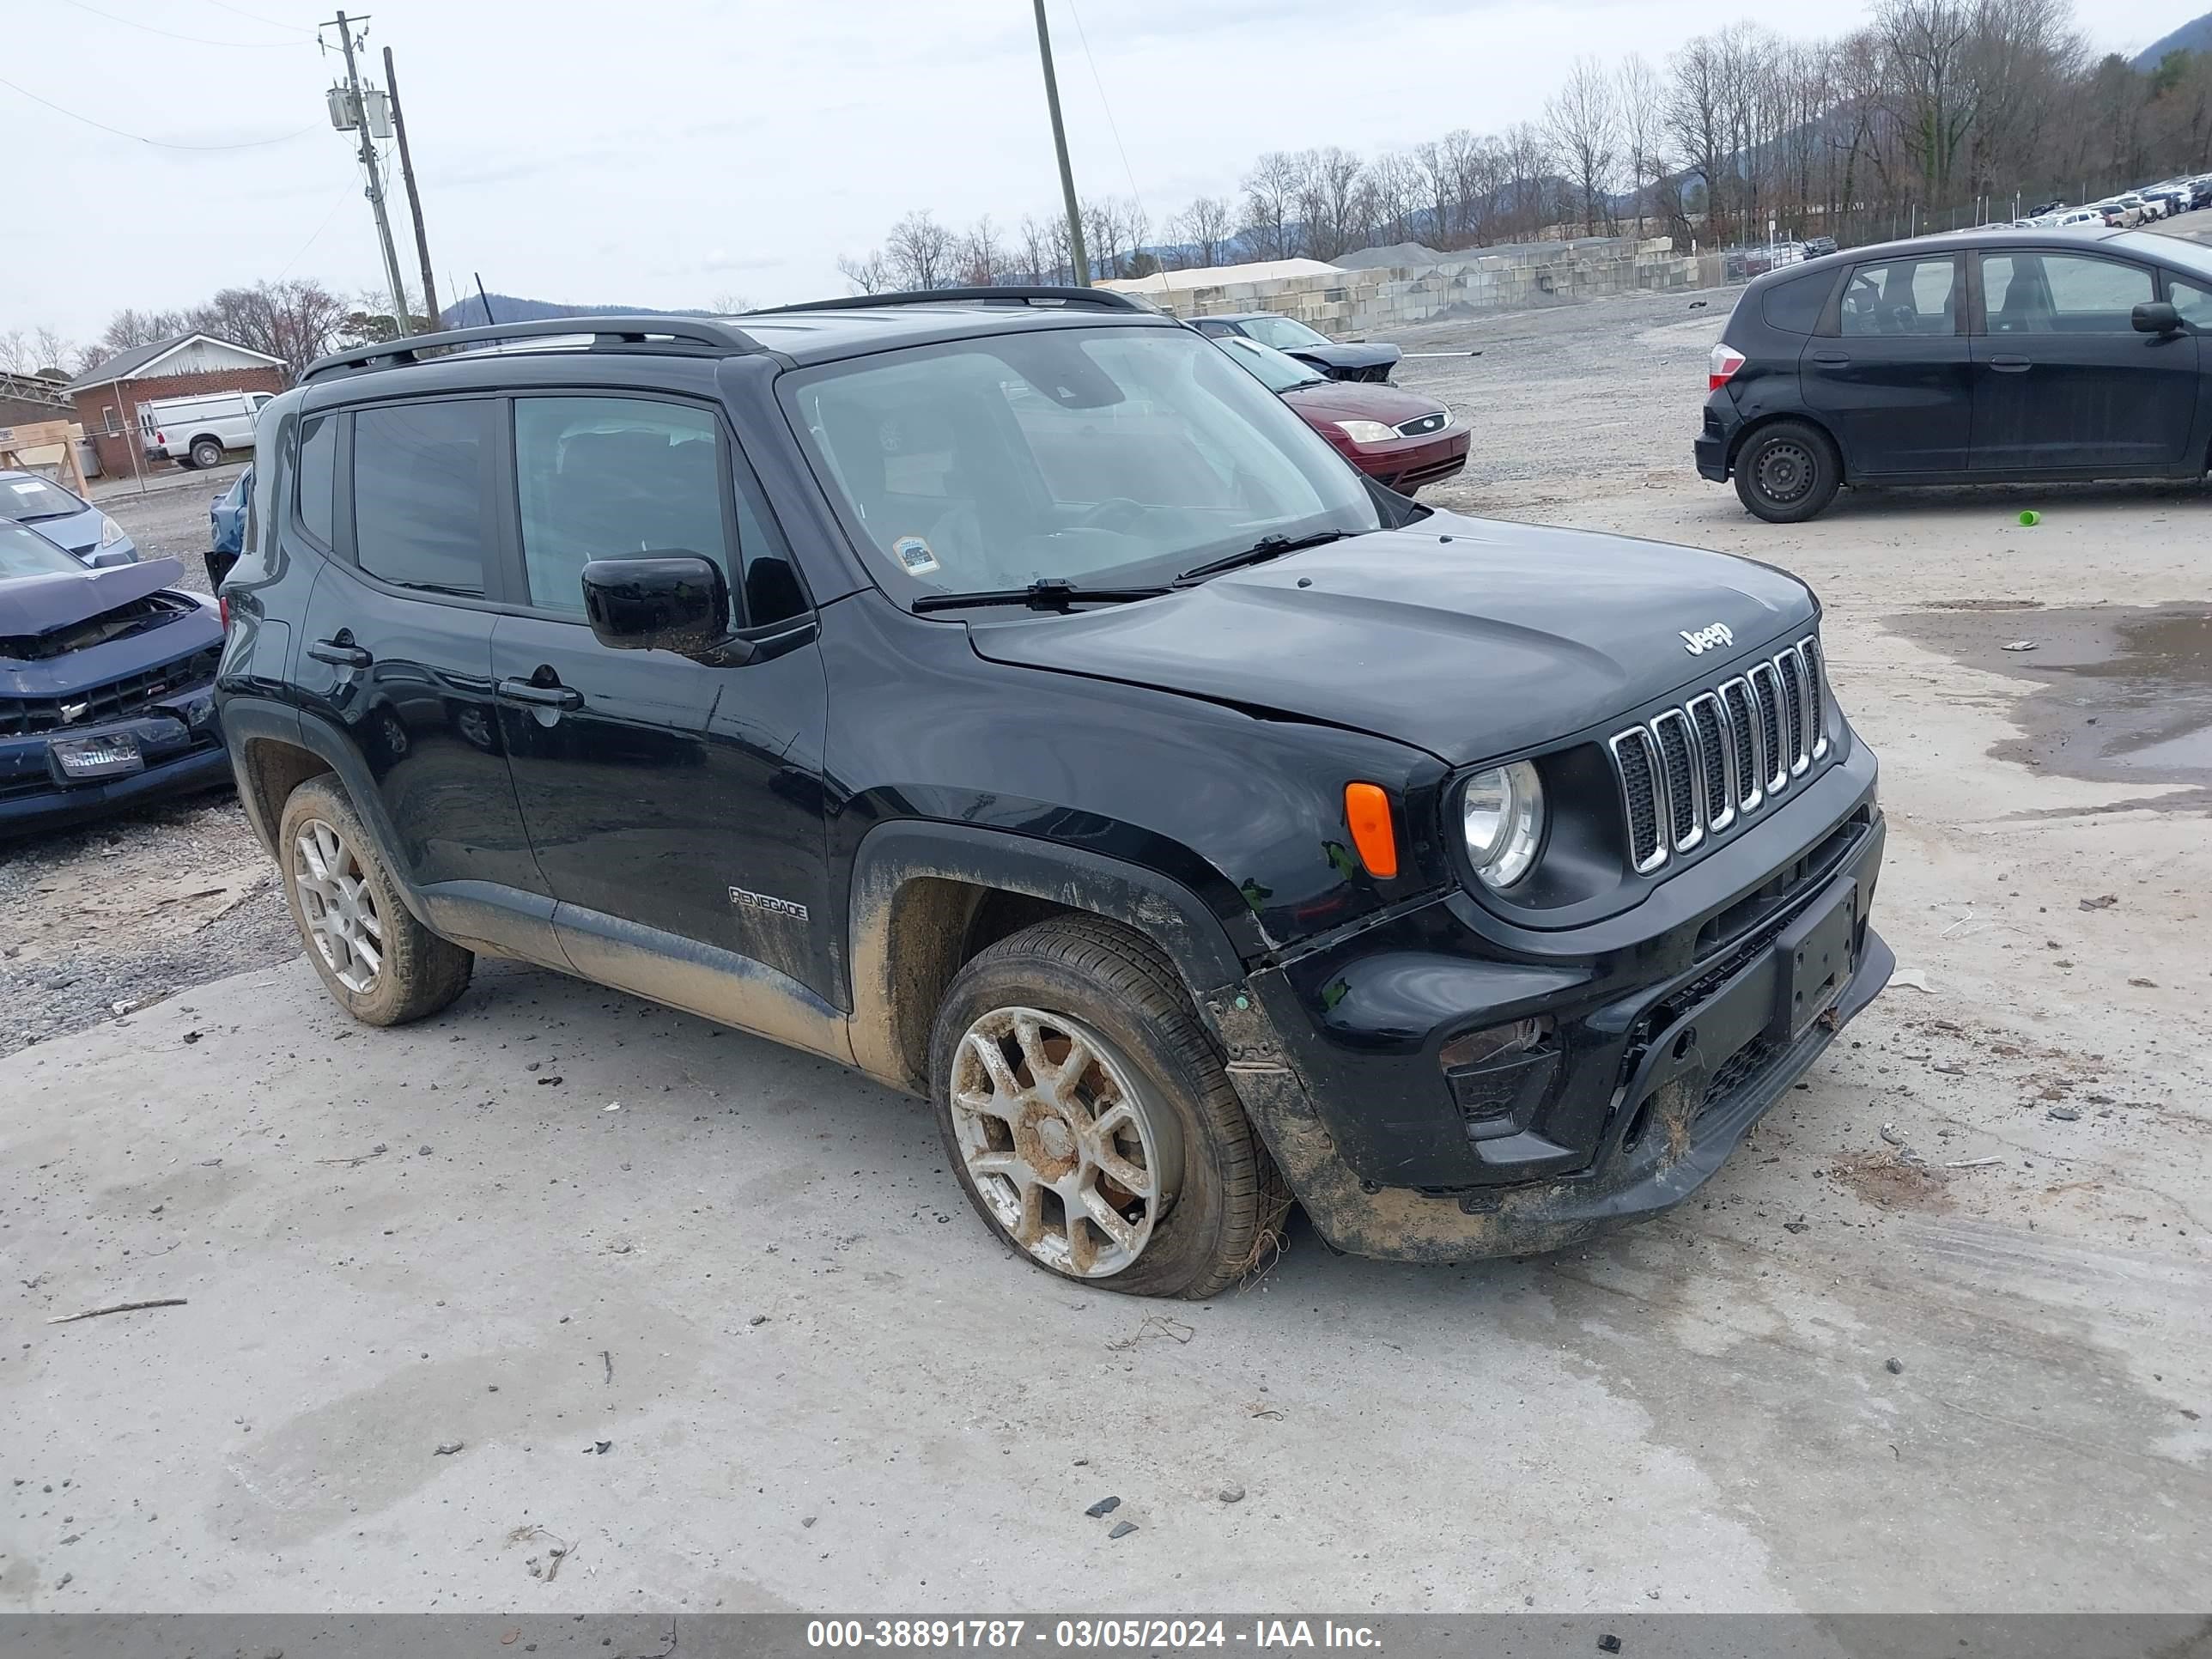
x,y
247,719
894,855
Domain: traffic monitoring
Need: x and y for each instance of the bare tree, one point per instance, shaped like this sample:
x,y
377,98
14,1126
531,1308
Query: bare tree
x,y
872,275
1697,123
982,258
1271,191
1642,102
16,357
1582,121
1527,190
128,329
920,252
1207,226
297,319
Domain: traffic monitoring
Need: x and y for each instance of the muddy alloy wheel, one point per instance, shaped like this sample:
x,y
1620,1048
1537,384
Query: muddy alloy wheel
x,y
1061,1143
340,910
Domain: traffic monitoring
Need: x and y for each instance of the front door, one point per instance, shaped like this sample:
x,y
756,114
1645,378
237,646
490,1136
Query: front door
x,y
1890,373
2062,379
675,807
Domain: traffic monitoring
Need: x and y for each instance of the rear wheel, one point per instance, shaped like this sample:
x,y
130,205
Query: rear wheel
x,y
1787,472
384,967
1088,1116
206,452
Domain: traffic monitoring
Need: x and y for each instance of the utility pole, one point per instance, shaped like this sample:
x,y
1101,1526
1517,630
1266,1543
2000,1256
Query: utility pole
x,y
414,201
1059,146
375,191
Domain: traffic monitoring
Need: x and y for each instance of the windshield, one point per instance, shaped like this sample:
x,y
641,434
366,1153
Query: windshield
x,y
1070,454
29,500
26,553
1282,332
1276,372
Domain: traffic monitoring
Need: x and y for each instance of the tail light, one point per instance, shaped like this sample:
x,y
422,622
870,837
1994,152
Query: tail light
x,y
1723,363
222,609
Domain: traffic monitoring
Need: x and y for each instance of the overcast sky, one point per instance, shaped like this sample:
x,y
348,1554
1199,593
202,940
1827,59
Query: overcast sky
x,y
676,152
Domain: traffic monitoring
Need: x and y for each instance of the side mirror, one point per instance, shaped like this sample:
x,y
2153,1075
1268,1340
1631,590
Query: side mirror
x,y
2155,316
218,567
110,559
671,601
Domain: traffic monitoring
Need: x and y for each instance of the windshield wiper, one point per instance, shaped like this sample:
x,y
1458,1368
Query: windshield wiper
x,y
1050,594
1267,547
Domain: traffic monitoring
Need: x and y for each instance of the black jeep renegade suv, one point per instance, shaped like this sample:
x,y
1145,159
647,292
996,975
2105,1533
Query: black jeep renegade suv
x,y
1002,693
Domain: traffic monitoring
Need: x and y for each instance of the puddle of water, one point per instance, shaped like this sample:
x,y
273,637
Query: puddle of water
x,y
2126,693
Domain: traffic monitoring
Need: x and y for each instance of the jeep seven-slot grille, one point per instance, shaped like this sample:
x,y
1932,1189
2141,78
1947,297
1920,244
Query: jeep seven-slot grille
x,y
1693,770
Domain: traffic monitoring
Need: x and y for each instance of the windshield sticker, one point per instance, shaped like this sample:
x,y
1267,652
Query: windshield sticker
x,y
913,556
27,489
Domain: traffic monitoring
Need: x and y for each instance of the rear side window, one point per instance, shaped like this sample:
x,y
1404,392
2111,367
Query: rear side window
x,y
316,475
1795,306
418,494
1902,296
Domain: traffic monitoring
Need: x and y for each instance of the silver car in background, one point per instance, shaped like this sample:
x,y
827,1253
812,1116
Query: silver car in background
x,y
62,516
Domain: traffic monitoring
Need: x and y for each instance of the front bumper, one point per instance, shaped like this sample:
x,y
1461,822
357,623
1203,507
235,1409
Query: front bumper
x,y
1667,1039
1408,464
179,739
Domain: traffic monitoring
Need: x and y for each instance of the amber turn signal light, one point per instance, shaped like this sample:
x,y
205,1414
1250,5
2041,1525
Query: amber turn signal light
x,y
1367,811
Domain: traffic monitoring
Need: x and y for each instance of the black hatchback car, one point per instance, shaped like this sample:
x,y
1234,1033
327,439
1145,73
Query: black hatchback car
x,y
1002,693
1993,356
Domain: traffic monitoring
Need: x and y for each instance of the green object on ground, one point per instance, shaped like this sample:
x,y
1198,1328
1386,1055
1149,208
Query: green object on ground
x,y
2028,515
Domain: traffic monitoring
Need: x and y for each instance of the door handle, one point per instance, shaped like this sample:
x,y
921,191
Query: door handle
x,y
2010,365
1830,357
340,652
541,696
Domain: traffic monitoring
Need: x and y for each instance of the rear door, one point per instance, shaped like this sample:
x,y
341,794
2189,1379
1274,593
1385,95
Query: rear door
x,y
396,649
1890,368
2062,380
671,804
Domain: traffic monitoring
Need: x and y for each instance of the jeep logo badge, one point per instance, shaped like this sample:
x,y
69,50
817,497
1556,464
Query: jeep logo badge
x,y
1707,639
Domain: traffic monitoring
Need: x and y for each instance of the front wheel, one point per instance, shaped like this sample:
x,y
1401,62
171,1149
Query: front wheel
x,y
1087,1112
1787,472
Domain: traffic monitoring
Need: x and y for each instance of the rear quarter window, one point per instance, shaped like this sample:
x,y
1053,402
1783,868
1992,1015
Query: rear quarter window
x,y
1794,306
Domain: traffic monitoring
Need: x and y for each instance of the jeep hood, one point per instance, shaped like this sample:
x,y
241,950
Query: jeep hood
x,y
1505,637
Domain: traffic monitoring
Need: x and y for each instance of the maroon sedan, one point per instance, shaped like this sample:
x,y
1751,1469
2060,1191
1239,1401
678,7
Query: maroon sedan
x,y
1396,437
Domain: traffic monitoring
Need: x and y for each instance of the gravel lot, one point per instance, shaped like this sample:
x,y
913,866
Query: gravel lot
x,y
112,916
1932,1340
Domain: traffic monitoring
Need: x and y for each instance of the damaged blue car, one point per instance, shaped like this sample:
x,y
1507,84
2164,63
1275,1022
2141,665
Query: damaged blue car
x,y
105,675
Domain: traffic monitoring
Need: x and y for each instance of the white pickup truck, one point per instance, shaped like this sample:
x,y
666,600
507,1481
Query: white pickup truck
x,y
198,431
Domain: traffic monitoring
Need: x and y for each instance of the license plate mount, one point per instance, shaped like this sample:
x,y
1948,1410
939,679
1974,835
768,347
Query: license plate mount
x,y
1814,960
77,760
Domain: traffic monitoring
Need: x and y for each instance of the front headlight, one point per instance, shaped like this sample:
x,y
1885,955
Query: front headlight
x,y
110,532
1501,813
1367,432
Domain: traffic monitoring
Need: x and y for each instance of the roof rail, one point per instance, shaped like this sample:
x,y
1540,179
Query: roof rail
x,y
606,333
1106,298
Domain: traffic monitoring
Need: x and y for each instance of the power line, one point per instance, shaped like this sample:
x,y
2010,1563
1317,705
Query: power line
x,y
1113,127
140,138
240,11
171,34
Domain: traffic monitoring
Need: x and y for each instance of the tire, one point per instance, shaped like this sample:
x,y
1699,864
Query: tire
x,y
353,904
206,452
1216,1204
1787,472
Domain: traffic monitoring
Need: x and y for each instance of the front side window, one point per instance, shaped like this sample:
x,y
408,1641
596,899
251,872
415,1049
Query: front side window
x,y
1065,454
2061,294
2192,299
418,494
1903,296
606,478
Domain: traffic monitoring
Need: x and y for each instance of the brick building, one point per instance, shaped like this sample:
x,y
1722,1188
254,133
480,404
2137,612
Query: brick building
x,y
107,396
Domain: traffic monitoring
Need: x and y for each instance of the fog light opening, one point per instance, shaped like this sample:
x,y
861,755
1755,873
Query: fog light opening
x,y
1637,1126
1684,1042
